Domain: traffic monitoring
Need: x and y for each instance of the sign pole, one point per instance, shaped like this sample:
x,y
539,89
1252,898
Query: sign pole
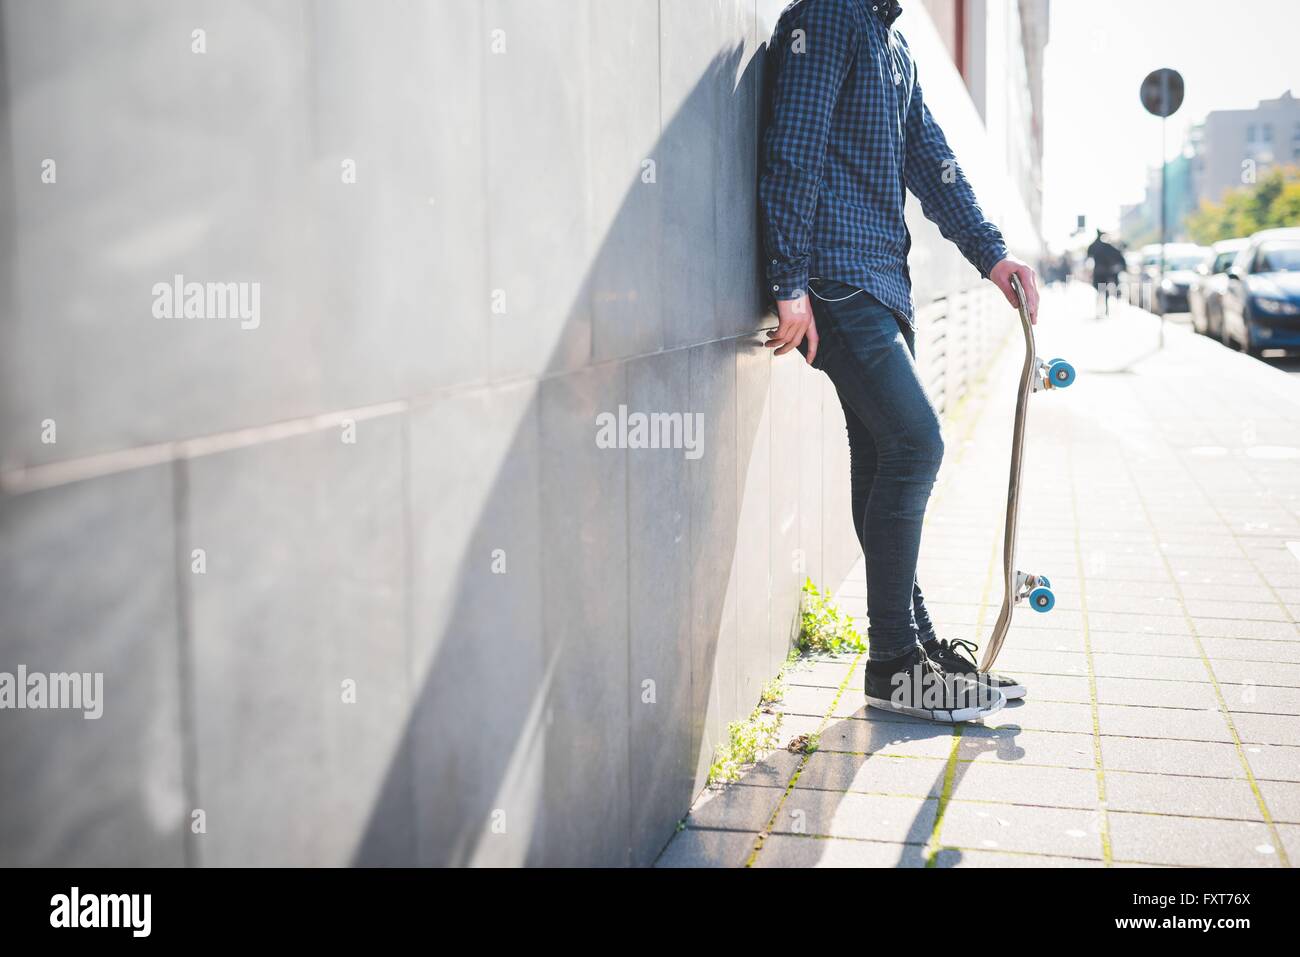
x,y
1162,95
1164,212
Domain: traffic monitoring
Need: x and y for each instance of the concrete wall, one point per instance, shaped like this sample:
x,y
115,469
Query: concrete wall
x,y
392,483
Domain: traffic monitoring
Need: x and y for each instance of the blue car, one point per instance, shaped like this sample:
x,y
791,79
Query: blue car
x,y
1261,305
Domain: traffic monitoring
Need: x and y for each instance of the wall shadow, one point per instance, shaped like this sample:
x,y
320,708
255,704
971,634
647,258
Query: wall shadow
x,y
498,729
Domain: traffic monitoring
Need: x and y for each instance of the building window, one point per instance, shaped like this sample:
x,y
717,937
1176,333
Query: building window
x,y
1267,130
1250,133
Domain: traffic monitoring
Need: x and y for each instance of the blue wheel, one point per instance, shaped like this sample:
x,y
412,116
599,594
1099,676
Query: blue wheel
x,y
1041,599
1042,580
1061,373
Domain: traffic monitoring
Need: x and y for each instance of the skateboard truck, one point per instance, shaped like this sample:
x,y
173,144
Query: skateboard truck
x,y
1037,589
1017,586
1053,374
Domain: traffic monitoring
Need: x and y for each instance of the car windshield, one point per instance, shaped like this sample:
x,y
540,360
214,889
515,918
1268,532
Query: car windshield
x,y
1223,261
1176,262
1278,257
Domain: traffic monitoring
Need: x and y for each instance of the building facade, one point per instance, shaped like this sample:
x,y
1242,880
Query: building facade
x,y
1233,148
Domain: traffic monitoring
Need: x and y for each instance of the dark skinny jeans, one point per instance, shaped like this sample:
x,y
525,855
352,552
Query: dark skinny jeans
x,y
895,447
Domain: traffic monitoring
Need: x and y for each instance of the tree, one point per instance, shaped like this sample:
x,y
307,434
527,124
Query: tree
x,y
1273,201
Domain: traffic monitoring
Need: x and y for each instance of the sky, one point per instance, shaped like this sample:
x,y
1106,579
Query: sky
x,y
1098,140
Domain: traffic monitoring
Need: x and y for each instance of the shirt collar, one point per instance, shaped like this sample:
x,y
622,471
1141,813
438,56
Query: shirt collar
x,y
887,10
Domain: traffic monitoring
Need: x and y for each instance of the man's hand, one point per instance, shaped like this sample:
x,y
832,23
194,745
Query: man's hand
x,y
1001,275
794,324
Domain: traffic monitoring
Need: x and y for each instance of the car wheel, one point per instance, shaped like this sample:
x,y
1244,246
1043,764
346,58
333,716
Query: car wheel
x,y
1249,344
1251,347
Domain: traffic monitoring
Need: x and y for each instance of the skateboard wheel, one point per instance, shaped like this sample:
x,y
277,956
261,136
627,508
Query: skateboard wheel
x,y
1041,599
1060,373
1042,580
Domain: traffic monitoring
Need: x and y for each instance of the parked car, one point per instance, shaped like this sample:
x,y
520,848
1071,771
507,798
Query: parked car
x,y
1182,260
1261,304
1148,274
1206,291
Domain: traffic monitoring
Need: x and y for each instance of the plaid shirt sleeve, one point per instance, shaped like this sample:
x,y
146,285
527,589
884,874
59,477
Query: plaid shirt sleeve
x,y
932,173
810,70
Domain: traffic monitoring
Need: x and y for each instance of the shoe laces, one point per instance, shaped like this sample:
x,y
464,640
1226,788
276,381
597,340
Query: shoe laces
x,y
959,649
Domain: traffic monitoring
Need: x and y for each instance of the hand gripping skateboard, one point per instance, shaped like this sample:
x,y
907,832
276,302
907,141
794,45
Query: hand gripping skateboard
x,y
1035,376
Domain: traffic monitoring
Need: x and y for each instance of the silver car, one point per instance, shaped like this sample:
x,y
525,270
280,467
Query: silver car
x,y
1205,296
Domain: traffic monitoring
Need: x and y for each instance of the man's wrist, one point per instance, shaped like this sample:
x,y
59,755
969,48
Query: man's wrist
x,y
993,255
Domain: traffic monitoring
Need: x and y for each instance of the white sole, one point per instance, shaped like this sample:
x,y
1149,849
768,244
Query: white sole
x,y
947,717
1014,692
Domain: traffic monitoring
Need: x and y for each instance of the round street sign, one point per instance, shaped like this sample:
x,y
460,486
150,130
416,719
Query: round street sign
x,y
1162,92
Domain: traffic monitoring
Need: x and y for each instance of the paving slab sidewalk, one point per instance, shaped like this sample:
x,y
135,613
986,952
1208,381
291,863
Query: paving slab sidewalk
x,y
1162,726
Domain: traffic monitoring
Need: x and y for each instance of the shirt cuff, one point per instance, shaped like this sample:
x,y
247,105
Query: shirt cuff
x,y
989,255
786,283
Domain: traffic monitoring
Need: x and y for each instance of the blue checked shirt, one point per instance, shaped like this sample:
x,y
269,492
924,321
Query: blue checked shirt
x,y
847,133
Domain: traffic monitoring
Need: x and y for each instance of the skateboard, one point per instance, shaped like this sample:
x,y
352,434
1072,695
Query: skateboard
x,y
1035,376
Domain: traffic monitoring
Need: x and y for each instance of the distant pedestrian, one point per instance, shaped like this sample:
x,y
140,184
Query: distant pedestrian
x,y
1107,264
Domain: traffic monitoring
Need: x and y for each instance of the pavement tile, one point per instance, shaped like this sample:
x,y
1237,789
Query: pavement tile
x,y
773,771
864,816
801,699
1276,762
794,725
1149,666
1282,799
1195,758
790,850
1064,832
1186,724
1012,783
739,807
1164,694
1135,603
1057,748
822,674
1015,660
924,740
1190,841
1266,610
1047,640
1267,728
878,773
1071,688
1261,698
1258,672
1164,646
1181,795
1034,714
1247,628
1139,624
1290,834
696,847
1244,649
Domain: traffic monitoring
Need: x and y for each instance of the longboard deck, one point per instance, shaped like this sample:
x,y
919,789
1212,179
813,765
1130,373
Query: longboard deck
x,y
1034,374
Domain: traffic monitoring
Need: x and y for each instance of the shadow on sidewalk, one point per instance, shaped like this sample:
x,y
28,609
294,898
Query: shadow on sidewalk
x,y
841,766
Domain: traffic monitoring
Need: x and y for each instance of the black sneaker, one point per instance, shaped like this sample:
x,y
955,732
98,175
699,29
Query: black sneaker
x,y
913,684
958,657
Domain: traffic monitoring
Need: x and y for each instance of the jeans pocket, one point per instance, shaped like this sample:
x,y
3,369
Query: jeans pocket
x,y
825,338
832,290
